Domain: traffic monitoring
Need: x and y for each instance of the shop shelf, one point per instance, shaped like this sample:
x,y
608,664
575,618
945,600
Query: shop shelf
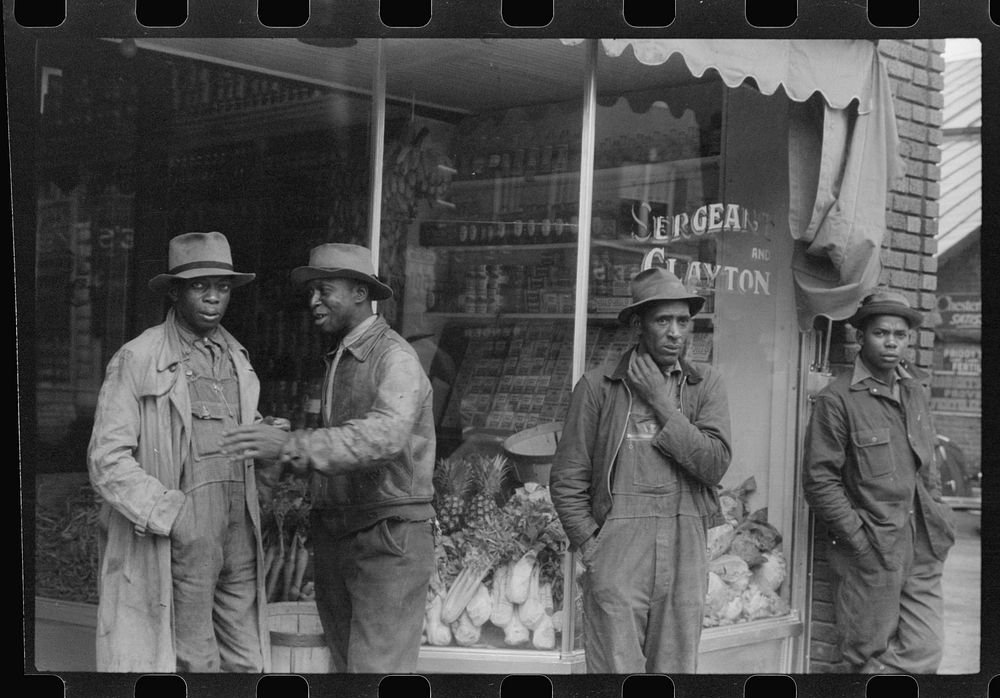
x,y
626,174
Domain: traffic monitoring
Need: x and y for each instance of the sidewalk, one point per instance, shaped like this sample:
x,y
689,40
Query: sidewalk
x,y
962,593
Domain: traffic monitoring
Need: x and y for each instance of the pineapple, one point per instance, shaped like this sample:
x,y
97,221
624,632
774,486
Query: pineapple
x,y
452,483
487,477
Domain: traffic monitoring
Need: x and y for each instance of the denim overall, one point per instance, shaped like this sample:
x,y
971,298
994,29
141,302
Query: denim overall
x,y
645,587
213,551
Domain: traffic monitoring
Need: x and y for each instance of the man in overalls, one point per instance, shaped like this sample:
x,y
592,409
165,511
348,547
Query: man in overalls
x,y
633,480
181,584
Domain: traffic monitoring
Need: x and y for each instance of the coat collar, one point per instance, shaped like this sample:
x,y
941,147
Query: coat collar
x,y
362,347
689,372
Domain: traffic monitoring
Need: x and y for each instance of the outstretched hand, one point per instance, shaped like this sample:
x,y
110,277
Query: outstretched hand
x,y
263,441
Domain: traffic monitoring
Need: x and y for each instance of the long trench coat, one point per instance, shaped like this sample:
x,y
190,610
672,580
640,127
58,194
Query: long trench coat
x,y
140,441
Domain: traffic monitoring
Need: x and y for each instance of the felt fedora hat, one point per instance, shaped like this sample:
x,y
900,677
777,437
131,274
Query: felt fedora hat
x,y
658,284
199,254
339,260
882,301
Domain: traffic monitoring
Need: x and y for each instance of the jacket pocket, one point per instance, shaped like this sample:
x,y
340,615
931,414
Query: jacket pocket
x,y
390,536
874,453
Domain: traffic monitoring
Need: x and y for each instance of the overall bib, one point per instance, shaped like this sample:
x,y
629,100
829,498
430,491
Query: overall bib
x,y
213,550
646,583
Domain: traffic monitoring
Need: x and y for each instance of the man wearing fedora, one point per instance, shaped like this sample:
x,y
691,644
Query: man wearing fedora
x,y
633,481
372,464
181,579
871,477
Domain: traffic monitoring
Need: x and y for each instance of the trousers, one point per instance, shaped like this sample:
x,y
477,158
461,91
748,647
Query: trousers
x,y
214,568
644,596
891,620
371,592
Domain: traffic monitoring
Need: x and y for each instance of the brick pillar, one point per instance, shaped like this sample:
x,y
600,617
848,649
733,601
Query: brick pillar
x,y
916,72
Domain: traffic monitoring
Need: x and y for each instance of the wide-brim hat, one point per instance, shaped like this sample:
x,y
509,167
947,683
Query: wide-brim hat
x,y
192,255
334,260
658,284
885,302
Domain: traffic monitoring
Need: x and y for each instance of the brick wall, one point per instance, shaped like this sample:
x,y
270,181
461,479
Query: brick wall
x,y
916,71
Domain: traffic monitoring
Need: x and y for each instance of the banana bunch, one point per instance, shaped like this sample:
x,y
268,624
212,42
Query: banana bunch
x,y
412,173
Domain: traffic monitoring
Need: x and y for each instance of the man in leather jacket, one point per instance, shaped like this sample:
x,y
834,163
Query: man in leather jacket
x,y
372,464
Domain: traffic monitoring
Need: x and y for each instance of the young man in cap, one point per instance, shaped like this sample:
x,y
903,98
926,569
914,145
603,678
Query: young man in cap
x,y
870,476
633,481
181,579
372,461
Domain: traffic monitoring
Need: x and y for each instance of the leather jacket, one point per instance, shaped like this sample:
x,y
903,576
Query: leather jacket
x,y
697,439
374,458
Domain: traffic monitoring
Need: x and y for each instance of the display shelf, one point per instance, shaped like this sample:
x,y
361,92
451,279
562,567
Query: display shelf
x,y
624,175
473,317
517,247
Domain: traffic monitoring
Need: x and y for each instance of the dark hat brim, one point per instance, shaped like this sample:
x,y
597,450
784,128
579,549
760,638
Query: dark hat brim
x,y
914,318
303,275
161,282
695,303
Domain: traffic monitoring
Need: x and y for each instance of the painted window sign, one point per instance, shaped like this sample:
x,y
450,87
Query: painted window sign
x,y
960,311
709,220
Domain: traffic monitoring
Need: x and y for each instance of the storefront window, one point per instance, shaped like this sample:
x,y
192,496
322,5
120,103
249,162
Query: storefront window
x,y
487,199
680,183
137,146
480,235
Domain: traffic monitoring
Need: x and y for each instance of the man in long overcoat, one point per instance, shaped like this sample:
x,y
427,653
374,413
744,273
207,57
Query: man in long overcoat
x,y
181,583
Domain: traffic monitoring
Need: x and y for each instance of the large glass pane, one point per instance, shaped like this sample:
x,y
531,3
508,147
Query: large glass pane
x,y
480,207
677,185
140,142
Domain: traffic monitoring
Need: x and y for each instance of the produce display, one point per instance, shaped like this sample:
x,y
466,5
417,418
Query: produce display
x,y
66,539
284,523
746,565
498,580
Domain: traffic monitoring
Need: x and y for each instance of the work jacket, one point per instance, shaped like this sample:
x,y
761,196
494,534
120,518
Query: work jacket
x,y
139,445
374,458
696,439
859,477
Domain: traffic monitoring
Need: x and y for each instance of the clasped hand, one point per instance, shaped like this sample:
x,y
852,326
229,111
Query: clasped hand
x,y
649,382
262,440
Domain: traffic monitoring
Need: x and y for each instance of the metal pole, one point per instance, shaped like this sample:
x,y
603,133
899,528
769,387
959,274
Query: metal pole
x,y
377,150
580,307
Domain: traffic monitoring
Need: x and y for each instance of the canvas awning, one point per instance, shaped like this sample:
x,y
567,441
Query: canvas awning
x,y
843,151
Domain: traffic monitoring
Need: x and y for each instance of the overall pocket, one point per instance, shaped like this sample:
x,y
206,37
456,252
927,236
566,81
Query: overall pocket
x,y
207,426
873,452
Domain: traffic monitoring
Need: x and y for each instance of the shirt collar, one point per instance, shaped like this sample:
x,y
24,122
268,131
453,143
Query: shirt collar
x,y
355,334
861,372
188,338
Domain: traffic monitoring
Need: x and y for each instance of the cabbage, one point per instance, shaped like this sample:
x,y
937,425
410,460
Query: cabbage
x,y
769,574
718,595
732,569
719,538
